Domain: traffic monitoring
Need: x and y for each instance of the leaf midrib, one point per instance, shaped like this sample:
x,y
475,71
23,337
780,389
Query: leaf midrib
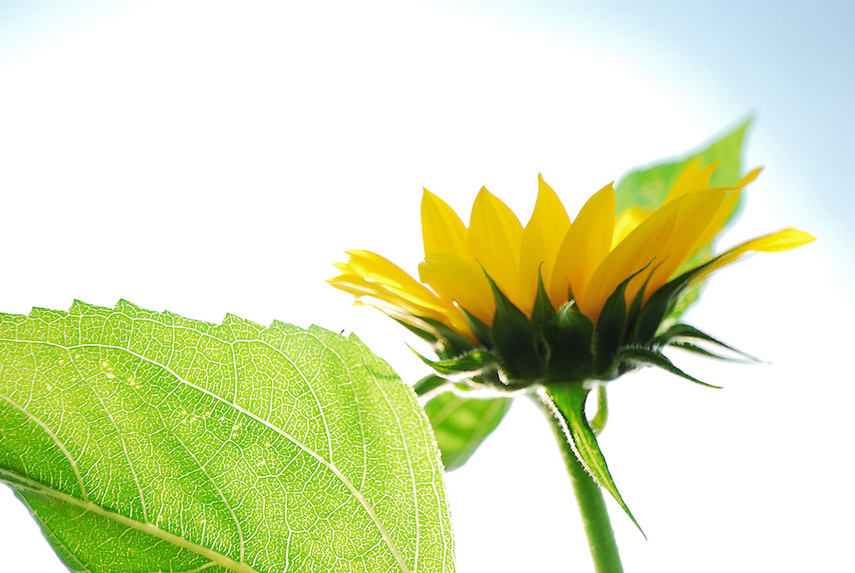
x,y
24,483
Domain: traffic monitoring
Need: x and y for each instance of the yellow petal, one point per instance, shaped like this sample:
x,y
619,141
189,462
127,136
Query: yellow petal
x,y
695,213
724,212
541,240
456,279
379,270
691,178
774,242
495,237
626,223
386,299
442,229
640,248
391,290
585,246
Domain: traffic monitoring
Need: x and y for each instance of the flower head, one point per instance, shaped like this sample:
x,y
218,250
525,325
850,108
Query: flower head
x,y
509,306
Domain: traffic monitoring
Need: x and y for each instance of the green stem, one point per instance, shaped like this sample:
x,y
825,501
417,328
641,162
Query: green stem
x,y
589,497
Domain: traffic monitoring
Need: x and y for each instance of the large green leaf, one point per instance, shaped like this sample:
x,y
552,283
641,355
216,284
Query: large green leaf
x,y
145,442
461,424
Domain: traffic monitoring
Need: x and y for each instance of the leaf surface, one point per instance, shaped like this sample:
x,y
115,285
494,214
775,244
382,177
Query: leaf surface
x,y
648,186
146,442
461,424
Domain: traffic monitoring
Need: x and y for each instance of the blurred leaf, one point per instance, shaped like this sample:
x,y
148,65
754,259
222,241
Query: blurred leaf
x,y
428,384
648,186
144,441
598,422
461,424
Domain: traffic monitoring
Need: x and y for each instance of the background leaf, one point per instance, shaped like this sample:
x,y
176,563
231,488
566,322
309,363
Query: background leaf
x,y
145,442
648,186
461,424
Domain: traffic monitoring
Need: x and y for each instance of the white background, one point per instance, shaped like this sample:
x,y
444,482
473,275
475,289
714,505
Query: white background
x,y
207,157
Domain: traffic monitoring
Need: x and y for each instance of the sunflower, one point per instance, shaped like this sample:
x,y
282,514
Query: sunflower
x,y
509,306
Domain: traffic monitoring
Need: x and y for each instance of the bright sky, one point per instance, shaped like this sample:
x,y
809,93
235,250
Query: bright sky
x,y
207,158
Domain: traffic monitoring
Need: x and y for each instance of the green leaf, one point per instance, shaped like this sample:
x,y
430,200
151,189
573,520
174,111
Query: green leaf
x,y
461,424
598,422
570,401
144,441
647,187
430,384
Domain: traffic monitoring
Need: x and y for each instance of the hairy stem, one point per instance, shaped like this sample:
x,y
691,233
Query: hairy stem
x,y
589,497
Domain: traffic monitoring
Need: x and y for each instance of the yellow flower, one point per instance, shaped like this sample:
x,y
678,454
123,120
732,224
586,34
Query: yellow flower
x,y
577,267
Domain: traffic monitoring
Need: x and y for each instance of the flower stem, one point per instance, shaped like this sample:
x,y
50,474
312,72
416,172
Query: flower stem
x,y
589,497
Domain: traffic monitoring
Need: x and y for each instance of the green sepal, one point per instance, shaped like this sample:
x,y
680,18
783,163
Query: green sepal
x,y
689,347
687,297
461,424
634,312
448,343
610,333
634,357
515,338
421,333
598,422
464,367
479,329
569,399
568,336
453,344
659,304
685,332
543,309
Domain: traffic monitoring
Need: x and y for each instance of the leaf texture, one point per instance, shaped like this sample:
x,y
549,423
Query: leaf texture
x,y
145,442
461,424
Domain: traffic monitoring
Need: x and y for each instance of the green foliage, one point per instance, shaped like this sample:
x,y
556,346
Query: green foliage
x,y
144,441
460,424
569,400
647,187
